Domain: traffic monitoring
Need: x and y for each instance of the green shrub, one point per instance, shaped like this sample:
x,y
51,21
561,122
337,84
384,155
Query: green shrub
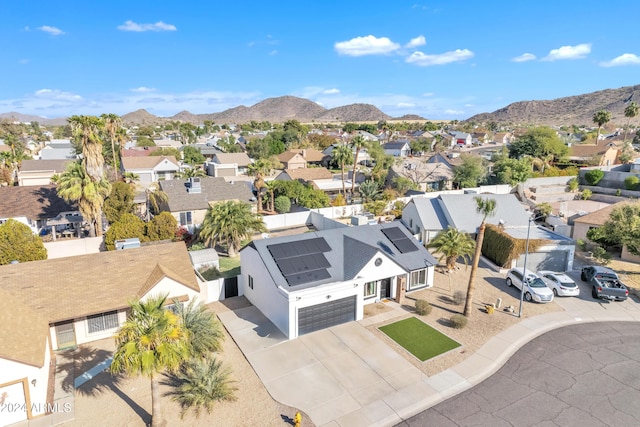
x,y
618,192
459,297
586,194
593,177
601,255
282,204
211,273
423,307
458,321
582,244
631,182
127,227
376,207
573,184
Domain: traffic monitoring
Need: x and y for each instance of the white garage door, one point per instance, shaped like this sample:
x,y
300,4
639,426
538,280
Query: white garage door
x,y
325,315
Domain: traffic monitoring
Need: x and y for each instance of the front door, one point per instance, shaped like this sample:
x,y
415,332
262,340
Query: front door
x,y
65,335
385,288
231,287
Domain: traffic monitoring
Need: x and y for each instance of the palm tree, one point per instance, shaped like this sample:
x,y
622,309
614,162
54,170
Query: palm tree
x,y
601,118
452,244
342,156
369,190
150,342
87,130
112,124
630,112
198,384
358,142
260,168
486,207
191,173
203,332
75,186
155,199
230,222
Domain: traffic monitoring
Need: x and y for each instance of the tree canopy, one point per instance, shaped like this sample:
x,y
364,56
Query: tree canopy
x,y
621,229
18,243
471,172
539,142
119,202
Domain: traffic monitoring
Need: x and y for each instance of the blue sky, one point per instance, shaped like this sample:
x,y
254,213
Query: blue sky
x,y
438,59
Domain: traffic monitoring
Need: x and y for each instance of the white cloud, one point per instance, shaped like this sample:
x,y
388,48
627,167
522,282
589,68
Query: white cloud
x,y
424,60
418,41
453,112
333,91
406,105
158,26
624,59
54,31
569,52
56,94
368,45
143,89
524,57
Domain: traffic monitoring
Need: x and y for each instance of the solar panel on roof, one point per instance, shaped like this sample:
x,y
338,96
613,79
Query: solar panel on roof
x,y
393,233
311,276
297,248
302,263
405,245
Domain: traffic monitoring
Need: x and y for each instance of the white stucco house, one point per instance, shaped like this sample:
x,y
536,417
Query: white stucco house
x,y
151,168
311,281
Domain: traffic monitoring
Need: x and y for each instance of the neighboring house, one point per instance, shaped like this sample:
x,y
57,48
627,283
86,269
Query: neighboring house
x,y
75,300
58,151
291,160
426,217
151,168
228,164
503,138
363,155
138,151
307,282
33,206
305,175
311,155
25,360
366,135
602,154
189,200
397,148
39,172
462,138
479,138
429,176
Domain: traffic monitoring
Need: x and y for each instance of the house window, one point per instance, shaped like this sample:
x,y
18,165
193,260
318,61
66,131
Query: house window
x,y
411,224
185,218
250,282
102,322
418,279
370,289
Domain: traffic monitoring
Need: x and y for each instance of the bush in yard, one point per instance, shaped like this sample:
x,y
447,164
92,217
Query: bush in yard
x,y
593,177
631,182
376,207
601,255
574,184
459,297
282,204
458,321
127,227
586,194
423,307
339,201
162,227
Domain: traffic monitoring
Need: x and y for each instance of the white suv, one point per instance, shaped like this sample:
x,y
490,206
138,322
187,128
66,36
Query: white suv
x,y
534,288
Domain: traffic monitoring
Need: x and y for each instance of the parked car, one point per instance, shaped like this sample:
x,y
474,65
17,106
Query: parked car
x,y
561,284
534,288
605,283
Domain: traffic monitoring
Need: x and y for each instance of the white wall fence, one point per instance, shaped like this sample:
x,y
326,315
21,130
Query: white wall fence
x,y
549,180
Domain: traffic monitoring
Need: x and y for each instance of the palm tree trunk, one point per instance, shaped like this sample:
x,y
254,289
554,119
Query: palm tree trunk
x,y
231,250
474,270
113,153
344,191
156,417
624,139
272,196
353,178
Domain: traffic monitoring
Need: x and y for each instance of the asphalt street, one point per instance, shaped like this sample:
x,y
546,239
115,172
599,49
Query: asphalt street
x,y
584,375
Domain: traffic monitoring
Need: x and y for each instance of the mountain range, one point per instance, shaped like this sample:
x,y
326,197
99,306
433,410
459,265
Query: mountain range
x,y
572,110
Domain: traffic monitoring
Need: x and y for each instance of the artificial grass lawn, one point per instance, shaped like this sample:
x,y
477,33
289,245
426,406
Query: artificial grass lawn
x,y
229,267
418,338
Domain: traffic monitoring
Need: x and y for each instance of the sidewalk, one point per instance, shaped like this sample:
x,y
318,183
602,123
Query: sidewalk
x,y
389,401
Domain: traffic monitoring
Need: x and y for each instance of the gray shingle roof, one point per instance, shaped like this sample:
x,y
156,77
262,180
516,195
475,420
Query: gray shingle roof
x,y
430,213
351,249
213,190
461,210
57,165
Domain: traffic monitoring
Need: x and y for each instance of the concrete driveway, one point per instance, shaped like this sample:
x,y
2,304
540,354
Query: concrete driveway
x,y
341,376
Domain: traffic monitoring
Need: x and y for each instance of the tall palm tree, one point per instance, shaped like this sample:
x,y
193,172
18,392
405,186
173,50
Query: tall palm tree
x,y
260,168
358,143
199,383
150,342
342,156
630,112
230,222
112,124
155,199
486,207
601,118
452,244
87,130
75,186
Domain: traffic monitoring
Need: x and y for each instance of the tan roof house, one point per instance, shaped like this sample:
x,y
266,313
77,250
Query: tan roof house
x,y
39,172
605,153
228,164
311,155
151,168
304,175
291,160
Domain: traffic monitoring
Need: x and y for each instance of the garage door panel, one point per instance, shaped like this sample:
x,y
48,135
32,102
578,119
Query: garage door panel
x,y
554,261
327,314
